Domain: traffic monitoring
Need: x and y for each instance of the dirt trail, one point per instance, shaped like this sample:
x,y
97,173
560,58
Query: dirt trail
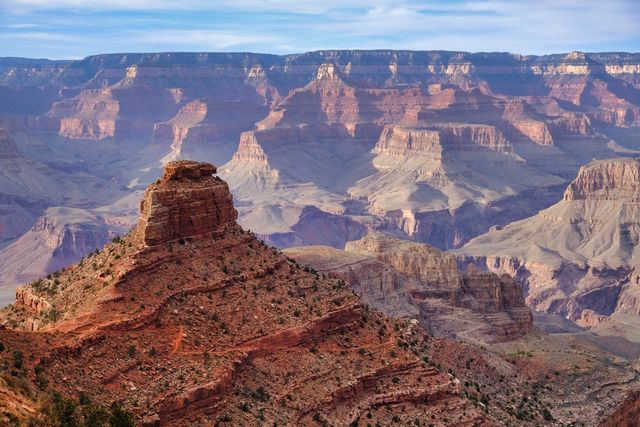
x,y
178,340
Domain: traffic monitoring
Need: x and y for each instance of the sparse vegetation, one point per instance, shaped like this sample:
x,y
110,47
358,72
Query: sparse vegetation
x,y
58,411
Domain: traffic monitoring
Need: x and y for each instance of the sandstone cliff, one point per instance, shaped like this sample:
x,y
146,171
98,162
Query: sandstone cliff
x,y
186,203
407,278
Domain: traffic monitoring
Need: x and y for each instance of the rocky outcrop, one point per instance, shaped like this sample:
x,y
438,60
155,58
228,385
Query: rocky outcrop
x,y
27,298
423,262
186,203
571,124
470,137
533,130
430,143
627,414
90,115
405,142
230,316
413,279
607,181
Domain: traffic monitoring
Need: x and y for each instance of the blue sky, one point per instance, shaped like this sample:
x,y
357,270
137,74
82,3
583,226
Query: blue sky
x,y
65,29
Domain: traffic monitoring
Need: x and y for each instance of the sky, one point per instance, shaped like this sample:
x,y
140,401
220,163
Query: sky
x,y
69,29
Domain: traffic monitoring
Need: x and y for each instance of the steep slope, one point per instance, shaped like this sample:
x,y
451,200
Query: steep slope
x,y
404,278
572,258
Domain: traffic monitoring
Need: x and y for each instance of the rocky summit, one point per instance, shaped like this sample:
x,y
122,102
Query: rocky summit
x,y
189,319
186,203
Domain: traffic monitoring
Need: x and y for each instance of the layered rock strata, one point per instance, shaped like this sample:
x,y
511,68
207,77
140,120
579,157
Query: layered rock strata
x,y
191,290
221,329
186,203
407,278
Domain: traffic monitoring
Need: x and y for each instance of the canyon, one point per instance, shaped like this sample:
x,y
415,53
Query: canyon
x,y
577,258
198,322
320,147
482,206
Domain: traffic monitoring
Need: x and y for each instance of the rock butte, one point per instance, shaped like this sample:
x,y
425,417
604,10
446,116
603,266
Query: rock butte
x,y
213,326
412,279
187,203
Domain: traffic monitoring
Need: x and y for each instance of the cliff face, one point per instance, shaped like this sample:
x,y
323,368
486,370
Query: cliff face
x,y
423,262
607,181
407,278
575,258
432,143
186,203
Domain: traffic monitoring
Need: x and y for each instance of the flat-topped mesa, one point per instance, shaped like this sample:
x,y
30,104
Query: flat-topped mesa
x,y
188,202
425,263
614,180
434,141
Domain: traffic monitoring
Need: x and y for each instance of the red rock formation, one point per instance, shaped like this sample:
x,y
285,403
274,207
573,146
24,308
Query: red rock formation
x,y
229,316
534,130
626,415
433,141
186,203
405,142
227,330
573,124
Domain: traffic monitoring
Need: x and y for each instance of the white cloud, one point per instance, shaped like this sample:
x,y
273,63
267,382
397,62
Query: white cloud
x,y
204,39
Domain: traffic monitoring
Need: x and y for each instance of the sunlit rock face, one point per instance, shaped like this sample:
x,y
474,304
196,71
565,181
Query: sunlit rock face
x,y
188,202
406,278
